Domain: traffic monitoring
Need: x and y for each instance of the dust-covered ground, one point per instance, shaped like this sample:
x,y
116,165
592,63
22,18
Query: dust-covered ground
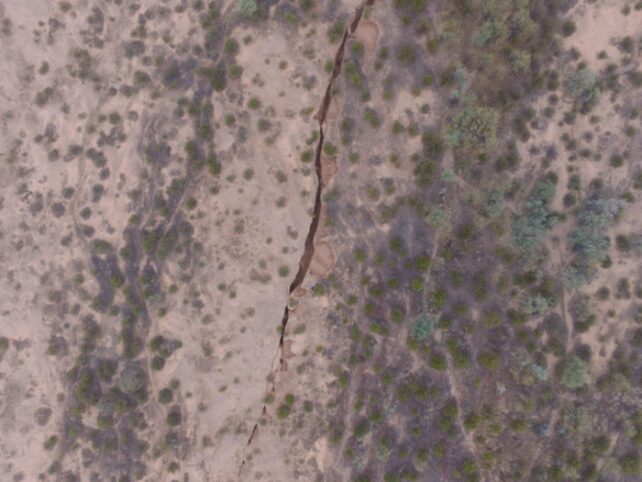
x,y
320,241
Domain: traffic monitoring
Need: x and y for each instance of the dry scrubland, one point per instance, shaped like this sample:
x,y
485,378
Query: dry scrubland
x,y
443,196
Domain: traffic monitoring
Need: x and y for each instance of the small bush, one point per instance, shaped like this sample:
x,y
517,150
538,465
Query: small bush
x,y
361,428
165,396
335,32
174,416
372,118
407,54
437,361
51,442
568,28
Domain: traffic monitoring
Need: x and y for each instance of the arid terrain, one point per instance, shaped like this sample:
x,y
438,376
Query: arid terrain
x,y
334,240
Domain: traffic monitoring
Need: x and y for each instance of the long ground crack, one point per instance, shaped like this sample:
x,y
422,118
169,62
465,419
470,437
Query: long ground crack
x,y
308,251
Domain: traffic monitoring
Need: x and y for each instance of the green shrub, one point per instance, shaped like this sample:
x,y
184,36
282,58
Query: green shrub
x,y
283,411
423,262
541,373
424,172
469,469
88,388
472,421
578,273
417,285
217,76
568,28
474,127
248,8
335,32
582,86
106,369
329,149
372,118
438,298
635,77
488,360
630,463
397,315
575,420
231,47
164,346
574,373
492,318
165,396
461,358
537,304
588,239
254,103
491,29
448,414
494,205
158,362
347,128
4,346
437,361
432,144
361,428
581,311
536,220
51,442
174,416
407,54
422,327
